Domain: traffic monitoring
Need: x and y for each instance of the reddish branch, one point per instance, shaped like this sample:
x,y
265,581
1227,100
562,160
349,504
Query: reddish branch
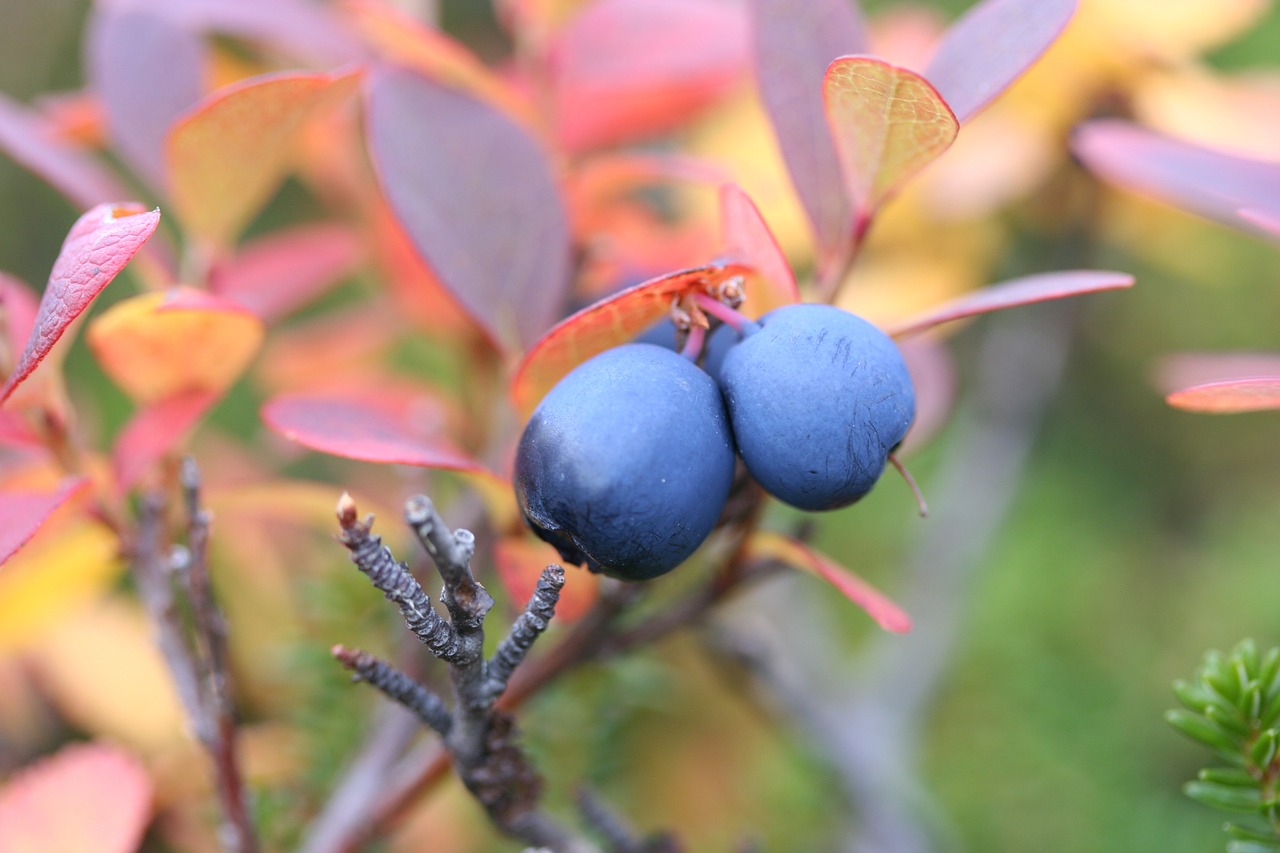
x,y
196,653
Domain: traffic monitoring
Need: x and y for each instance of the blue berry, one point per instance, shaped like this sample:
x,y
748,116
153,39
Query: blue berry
x,y
626,464
818,398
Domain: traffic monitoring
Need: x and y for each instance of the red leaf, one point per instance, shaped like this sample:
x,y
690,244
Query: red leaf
x,y
1042,287
1201,180
626,69
795,41
1221,382
72,171
154,432
991,46
98,246
933,375
477,197
372,427
278,274
147,70
603,325
22,513
18,307
87,798
748,241
888,123
888,615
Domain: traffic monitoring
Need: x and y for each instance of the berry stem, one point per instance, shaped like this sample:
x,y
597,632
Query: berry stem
x,y
693,344
736,320
911,482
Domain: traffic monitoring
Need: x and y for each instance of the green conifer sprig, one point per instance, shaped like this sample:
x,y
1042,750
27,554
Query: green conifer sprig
x,y
1233,707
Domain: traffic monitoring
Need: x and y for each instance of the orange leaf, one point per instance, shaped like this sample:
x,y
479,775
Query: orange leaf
x,y
603,325
227,155
405,41
888,615
520,561
87,798
158,345
1229,396
888,123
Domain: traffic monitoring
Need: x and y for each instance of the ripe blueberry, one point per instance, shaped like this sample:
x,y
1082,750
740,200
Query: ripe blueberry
x,y
626,464
817,398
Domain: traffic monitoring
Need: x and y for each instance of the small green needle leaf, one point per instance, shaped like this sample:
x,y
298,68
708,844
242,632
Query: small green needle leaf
x,y
1224,796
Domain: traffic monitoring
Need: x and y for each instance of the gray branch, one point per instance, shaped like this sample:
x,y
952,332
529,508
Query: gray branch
x,y
397,584
527,628
480,739
418,698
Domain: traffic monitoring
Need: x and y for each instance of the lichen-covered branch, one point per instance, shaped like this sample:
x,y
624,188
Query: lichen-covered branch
x,y
392,577
429,707
480,739
528,627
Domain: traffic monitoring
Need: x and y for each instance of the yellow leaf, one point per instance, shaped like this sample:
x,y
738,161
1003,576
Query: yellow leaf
x,y
160,344
62,569
103,672
229,153
888,123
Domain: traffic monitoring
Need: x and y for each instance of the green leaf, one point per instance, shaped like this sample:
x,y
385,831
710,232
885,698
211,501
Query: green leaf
x,y
1222,682
1271,712
1192,696
1235,777
1200,729
1263,751
1252,847
1251,701
1237,832
1224,796
1269,669
1246,651
1230,721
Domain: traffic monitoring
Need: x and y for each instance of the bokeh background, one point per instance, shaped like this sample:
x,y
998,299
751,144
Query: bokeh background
x,y
1087,544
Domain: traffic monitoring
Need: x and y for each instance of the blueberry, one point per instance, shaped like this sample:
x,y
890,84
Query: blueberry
x,y
817,398
626,464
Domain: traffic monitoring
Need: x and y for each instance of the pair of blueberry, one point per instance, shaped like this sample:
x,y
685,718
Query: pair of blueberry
x,y
627,463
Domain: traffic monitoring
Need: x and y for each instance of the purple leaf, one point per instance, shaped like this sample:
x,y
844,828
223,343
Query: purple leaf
x,y
70,170
794,42
1201,180
22,513
991,46
147,70
98,246
476,195
1015,292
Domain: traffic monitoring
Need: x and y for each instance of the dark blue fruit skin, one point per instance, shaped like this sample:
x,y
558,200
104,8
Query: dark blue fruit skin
x,y
817,398
627,462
